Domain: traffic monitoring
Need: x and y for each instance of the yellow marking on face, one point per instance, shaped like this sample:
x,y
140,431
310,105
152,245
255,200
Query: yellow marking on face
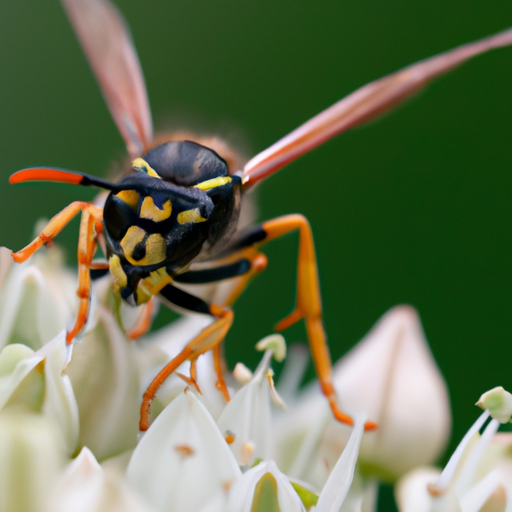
x,y
139,164
156,281
134,236
149,210
142,294
130,197
213,183
190,216
117,271
154,245
155,249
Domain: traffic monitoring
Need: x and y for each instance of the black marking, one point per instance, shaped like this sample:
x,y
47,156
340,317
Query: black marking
x,y
98,273
212,275
185,300
139,251
118,217
246,238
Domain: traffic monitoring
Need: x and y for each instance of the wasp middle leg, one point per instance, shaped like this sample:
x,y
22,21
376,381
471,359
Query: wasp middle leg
x,y
209,338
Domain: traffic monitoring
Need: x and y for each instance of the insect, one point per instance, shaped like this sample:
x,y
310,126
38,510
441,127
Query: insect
x,y
180,203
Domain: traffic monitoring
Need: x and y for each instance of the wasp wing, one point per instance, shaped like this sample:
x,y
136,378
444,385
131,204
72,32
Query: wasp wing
x,y
363,105
107,43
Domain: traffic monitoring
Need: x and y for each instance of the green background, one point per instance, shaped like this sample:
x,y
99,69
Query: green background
x,y
414,208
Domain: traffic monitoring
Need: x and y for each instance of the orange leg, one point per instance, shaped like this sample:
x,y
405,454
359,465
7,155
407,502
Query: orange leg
x,y
53,228
219,364
192,380
143,325
99,265
206,340
90,226
258,264
308,305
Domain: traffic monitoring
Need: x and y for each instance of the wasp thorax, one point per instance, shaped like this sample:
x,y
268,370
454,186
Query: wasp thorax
x,y
178,207
185,163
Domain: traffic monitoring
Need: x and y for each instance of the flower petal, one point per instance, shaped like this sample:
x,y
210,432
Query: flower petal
x,y
37,300
105,376
411,490
31,457
247,418
336,488
21,378
87,487
59,400
264,489
392,377
5,263
182,462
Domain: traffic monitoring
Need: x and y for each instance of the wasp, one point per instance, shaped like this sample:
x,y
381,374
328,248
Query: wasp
x,y
179,205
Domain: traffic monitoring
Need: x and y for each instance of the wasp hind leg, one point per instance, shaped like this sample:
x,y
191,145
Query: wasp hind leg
x,y
308,303
90,226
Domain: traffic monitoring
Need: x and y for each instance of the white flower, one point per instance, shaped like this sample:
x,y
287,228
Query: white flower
x,y
247,417
197,454
262,488
31,457
391,377
87,487
37,299
476,478
182,462
34,381
104,372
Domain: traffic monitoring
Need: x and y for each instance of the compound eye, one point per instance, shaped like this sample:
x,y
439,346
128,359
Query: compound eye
x,y
140,165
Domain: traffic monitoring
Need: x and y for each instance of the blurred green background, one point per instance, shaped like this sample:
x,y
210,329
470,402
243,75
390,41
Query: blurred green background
x,y
414,208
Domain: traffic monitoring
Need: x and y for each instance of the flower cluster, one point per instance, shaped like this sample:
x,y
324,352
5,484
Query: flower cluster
x,y
68,422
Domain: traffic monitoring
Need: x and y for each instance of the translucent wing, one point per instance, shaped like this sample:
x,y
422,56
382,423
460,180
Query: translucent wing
x,y
106,41
363,105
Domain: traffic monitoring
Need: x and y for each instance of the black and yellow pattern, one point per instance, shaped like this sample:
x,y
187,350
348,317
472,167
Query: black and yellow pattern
x,y
157,220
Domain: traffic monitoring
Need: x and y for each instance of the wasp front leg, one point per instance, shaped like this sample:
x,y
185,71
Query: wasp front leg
x,y
52,229
308,303
91,225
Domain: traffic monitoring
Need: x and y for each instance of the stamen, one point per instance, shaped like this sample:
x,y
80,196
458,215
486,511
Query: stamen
x,y
449,470
273,393
247,449
275,343
466,475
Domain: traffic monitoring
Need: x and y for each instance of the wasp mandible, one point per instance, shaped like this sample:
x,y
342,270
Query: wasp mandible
x,y
179,205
